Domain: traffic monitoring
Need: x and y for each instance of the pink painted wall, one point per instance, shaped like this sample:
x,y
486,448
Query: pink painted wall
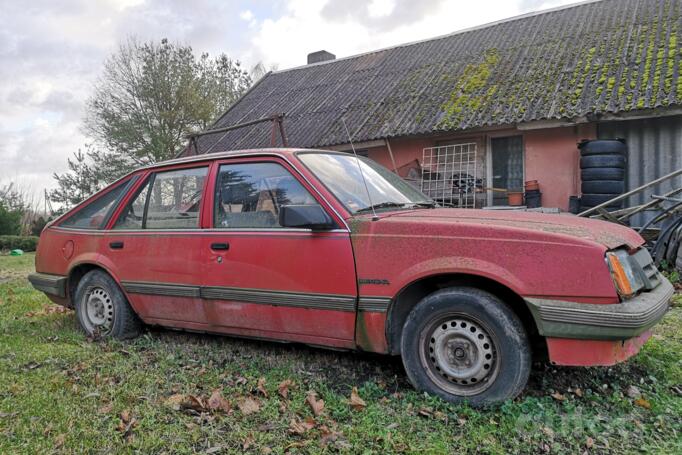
x,y
551,157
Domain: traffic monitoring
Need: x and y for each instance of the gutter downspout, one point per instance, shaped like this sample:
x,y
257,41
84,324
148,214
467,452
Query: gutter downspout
x,y
390,153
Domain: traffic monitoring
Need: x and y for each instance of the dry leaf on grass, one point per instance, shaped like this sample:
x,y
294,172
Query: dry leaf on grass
x,y
106,409
261,387
126,425
589,443
216,402
643,403
316,405
356,402
559,396
180,401
59,441
283,388
298,427
248,406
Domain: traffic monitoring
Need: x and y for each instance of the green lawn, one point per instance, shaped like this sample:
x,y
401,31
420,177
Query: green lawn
x,y
60,392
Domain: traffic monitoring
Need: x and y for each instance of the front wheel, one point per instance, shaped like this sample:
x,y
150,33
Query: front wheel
x,y
102,309
465,345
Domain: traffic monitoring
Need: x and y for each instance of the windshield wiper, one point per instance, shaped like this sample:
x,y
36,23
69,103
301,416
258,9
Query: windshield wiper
x,y
427,204
381,205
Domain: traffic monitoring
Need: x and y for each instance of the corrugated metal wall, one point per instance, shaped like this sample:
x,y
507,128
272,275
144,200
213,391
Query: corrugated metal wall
x,y
654,149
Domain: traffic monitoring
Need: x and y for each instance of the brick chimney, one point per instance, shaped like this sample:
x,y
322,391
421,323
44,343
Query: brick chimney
x,y
320,56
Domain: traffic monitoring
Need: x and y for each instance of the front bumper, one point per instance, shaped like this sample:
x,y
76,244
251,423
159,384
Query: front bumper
x,y
49,284
618,321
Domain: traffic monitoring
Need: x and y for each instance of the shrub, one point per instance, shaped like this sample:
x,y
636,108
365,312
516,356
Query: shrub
x,y
13,242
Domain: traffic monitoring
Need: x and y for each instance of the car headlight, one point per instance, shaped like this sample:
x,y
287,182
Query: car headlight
x,y
626,279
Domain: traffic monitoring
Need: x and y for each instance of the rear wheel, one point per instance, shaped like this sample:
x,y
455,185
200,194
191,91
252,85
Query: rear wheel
x,y
464,344
102,309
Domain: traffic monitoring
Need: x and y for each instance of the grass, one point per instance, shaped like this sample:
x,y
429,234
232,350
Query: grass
x,y
63,393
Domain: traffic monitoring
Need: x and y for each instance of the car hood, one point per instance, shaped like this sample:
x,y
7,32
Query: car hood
x,y
608,234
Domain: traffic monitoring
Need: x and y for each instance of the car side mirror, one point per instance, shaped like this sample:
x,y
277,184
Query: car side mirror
x,y
305,216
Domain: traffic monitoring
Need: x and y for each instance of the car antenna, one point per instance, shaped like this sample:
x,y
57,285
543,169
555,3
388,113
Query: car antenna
x,y
357,160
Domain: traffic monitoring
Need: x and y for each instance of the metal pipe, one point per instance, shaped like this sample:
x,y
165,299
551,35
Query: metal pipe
x,y
630,193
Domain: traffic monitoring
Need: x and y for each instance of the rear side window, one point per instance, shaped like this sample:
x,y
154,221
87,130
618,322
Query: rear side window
x,y
249,195
93,215
168,200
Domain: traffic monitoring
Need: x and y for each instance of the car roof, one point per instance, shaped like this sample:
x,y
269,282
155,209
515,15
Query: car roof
x,y
282,152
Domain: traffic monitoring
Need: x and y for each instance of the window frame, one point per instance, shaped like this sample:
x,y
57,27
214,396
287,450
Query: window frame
x,y
125,183
295,173
148,176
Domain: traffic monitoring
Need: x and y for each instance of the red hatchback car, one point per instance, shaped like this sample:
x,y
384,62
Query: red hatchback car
x,y
330,250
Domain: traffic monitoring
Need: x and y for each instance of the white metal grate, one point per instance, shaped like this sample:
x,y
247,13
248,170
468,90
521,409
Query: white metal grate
x,y
450,174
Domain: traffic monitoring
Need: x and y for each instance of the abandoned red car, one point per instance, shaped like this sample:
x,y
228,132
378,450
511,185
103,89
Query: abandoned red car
x,y
332,250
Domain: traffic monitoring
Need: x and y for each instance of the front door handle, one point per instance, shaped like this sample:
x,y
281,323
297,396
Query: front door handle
x,y
220,246
116,245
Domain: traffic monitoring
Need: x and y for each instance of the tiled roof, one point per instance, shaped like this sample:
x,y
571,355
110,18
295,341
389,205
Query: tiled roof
x,y
609,56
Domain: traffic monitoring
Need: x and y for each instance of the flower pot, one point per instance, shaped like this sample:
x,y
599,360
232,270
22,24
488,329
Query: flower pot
x,y
515,197
532,185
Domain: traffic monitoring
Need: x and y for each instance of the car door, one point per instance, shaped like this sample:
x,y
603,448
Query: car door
x,y
264,280
153,246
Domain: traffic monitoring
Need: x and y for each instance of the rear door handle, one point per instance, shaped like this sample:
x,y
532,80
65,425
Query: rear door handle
x,y
220,246
116,245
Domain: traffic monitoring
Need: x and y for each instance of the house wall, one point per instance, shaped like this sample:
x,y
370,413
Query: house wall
x,y
551,156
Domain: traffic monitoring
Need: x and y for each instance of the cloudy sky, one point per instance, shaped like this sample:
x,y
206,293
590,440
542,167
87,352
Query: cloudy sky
x,y
51,52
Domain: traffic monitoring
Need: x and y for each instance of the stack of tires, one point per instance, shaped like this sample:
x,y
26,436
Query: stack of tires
x,y
602,172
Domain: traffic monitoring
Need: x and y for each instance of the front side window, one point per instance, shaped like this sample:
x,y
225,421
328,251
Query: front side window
x,y
93,215
341,174
168,200
250,195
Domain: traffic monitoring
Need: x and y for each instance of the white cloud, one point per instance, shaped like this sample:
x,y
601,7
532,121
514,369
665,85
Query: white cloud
x,y
380,8
51,52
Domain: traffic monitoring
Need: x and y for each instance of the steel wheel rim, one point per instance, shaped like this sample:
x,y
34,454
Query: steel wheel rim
x,y
98,310
460,354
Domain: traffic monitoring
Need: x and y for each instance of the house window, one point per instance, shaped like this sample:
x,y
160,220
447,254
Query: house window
x,y
507,166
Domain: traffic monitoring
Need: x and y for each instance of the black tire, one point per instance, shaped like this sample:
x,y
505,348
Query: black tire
x,y
603,187
456,321
605,173
593,200
603,147
98,291
617,161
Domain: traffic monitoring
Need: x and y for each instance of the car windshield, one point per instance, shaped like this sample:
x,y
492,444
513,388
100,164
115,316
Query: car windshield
x,y
340,173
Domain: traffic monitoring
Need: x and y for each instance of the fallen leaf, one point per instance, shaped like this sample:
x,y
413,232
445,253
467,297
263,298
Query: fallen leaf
x,y
261,387
216,402
283,387
180,401
248,442
126,425
558,396
248,406
106,409
241,380
328,435
643,403
316,405
425,412
548,431
266,450
356,402
298,427
59,441
578,392
589,443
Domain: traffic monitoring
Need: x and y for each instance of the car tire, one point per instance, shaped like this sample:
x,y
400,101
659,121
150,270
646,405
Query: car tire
x,y
465,345
599,161
593,200
604,173
603,147
103,310
603,187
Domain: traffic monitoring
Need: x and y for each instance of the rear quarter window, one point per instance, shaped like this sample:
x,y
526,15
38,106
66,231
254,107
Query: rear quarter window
x,y
96,213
